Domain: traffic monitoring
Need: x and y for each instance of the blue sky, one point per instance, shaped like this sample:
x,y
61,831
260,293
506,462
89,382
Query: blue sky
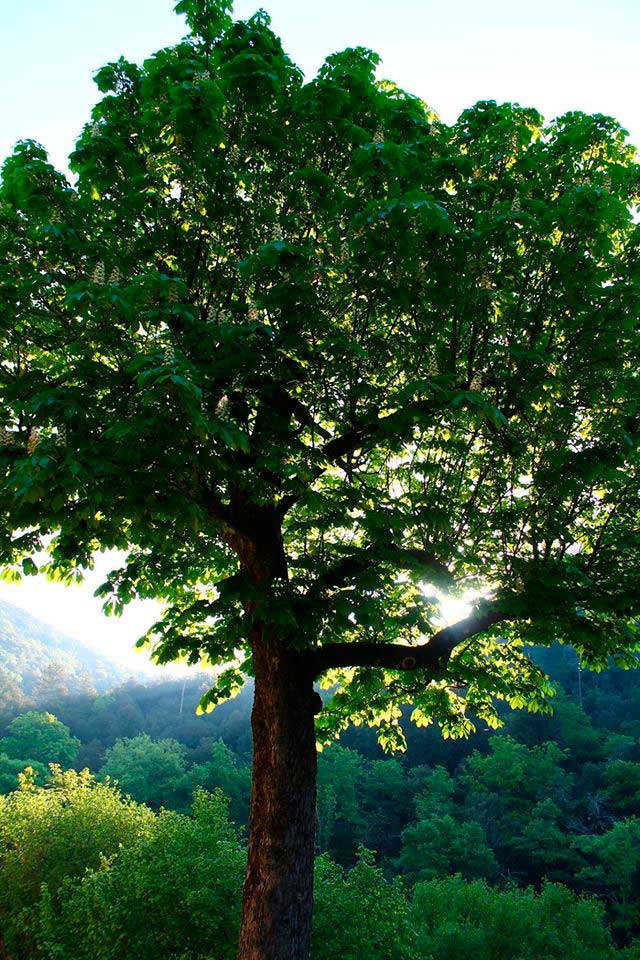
x,y
555,55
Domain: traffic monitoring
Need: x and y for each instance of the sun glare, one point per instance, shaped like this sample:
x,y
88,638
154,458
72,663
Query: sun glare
x,y
453,609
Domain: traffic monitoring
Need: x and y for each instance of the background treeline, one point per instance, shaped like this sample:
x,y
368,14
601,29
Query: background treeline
x,y
484,845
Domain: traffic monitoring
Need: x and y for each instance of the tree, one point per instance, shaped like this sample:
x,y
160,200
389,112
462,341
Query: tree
x,y
613,870
457,919
223,771
440,843
151,771
52,686
439,846
12,697
40,737
519,794
339,801
11,768
359,913
308,355
49,834
622,781
127,906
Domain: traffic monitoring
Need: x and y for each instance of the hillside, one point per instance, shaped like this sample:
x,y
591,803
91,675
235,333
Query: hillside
x,y
38,661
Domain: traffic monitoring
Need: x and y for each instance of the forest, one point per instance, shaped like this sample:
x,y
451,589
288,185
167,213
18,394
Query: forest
x,y
518,843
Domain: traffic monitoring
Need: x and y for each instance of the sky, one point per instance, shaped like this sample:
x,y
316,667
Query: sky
x,y
555,55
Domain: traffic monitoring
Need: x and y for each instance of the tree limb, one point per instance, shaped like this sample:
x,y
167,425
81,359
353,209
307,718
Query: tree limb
x,y
432,656
409,558
341,446
353,439
235,533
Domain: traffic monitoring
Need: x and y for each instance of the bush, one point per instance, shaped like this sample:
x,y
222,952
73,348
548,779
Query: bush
x,y
358,914
454,919
174,892
55,832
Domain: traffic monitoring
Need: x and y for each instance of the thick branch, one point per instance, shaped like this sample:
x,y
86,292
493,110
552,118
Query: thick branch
x,y
432,656
355,438
407,558
280,402
236,534
217,510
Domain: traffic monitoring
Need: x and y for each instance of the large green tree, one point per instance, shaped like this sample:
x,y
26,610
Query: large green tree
x,y
52,832
151,771
307,355
40,737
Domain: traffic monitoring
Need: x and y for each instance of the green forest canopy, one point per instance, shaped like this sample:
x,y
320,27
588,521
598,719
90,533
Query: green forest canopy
x,y
556,798
115,895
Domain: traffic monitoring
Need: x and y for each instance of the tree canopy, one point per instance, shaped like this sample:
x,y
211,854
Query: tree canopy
x,y
40,737
311,313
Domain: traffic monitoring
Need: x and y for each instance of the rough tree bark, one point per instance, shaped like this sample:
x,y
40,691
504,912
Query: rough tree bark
x,y
278,892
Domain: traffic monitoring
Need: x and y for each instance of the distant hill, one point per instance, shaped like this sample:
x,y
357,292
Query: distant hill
x,y
38,660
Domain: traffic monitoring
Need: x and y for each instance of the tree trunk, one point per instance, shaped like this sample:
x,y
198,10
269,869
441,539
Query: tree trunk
x,y
278,891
